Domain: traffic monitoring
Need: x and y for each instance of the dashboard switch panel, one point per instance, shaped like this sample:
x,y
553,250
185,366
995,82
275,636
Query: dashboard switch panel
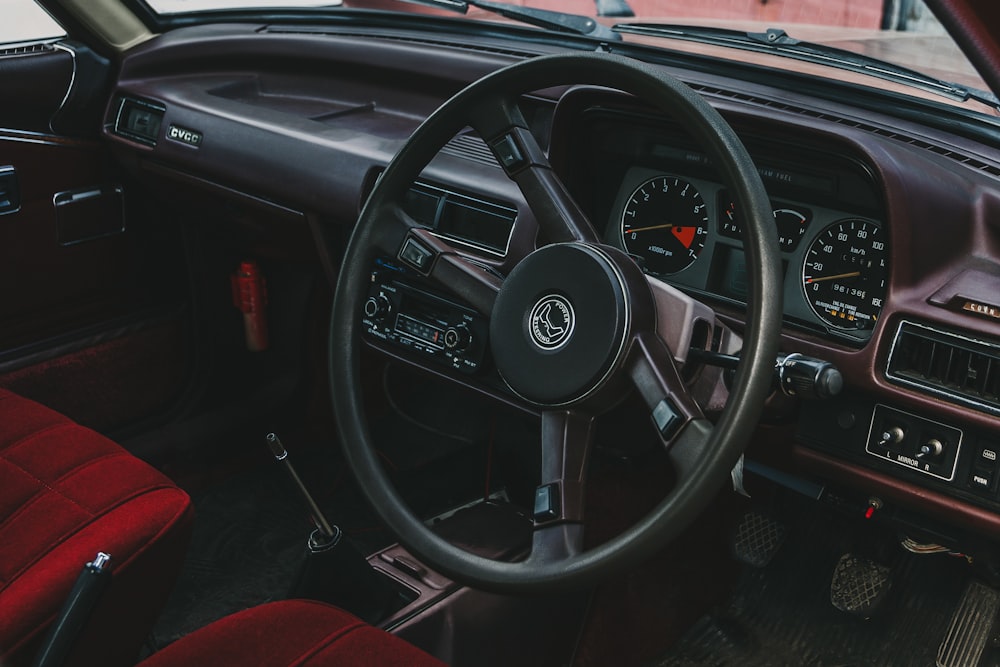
x,y
917,443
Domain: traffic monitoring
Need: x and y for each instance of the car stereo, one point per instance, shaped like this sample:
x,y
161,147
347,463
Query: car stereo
x,y
400,312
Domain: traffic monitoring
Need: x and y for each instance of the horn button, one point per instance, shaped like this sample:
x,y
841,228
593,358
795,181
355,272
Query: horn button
x,y
560,323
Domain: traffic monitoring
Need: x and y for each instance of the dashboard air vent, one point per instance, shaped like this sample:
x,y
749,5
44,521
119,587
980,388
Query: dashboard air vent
x,y
959,368
139,120
26,49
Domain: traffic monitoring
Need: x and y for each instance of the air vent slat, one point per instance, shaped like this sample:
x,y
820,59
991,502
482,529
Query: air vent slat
x,y
26,49
958,367
991,384
979,367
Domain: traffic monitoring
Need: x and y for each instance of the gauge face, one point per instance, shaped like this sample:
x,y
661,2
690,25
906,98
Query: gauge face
x,y
665,223
791,221
845,272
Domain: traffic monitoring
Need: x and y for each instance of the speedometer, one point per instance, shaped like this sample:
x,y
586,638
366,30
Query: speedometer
x,y
665,223
845,272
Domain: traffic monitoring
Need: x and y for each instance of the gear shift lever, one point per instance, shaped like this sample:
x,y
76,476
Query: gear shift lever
x,y
334,570
325,533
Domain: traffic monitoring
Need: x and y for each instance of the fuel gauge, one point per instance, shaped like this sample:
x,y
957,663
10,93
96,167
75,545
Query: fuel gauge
x,y
791,221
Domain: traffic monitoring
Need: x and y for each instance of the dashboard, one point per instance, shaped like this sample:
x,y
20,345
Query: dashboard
x,y
889,228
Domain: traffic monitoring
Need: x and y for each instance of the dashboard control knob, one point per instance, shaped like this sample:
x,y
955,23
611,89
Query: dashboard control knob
x,y
457,337
377,306
799,375
930,449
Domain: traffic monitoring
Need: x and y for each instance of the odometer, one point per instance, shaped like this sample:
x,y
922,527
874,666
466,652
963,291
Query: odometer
x,y
665,222
845,272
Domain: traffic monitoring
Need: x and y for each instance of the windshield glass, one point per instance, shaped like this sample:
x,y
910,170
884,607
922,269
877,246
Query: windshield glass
x,y
903,33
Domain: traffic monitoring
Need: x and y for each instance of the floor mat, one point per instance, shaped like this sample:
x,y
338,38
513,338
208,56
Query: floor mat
x,y
782,615
251,527
248,542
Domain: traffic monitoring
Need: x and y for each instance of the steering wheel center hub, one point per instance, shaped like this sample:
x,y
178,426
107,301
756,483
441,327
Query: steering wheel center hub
x,y
560,323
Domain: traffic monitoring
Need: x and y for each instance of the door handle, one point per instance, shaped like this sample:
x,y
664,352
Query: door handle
x,y
10,196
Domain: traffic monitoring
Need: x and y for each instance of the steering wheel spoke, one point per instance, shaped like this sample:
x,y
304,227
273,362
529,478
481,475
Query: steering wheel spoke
x,y
657,380
556,542
522,158
559,499
566,441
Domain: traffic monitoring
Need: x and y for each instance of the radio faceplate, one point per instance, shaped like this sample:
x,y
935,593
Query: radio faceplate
x,y
408,316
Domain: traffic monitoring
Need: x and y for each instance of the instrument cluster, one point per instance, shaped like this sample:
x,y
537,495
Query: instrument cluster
x,y
686,229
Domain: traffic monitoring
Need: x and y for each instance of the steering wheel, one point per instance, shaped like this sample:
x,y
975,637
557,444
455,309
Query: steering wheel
x,y
573,327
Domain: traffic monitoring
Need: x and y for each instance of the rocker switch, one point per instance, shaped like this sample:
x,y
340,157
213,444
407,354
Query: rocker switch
x,y
508,153
546,503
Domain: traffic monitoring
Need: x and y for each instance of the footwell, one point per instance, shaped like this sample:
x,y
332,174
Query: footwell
x,y
782,614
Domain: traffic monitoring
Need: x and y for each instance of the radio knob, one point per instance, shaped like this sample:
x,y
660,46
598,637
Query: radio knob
x,y
377,306
457,338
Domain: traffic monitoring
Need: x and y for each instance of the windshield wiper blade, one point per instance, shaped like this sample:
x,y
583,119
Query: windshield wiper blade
x,y
778,41
541,18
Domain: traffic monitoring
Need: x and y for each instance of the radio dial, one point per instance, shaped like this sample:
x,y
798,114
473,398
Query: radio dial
x,y
377,306
457,337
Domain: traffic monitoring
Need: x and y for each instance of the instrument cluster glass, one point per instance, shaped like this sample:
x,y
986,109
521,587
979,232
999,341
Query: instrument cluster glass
x,y
845,272
689,231
791,220
665,223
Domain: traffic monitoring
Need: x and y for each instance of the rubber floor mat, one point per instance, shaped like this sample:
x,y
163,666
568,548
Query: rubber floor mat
x,y
251,530
782,615
249,541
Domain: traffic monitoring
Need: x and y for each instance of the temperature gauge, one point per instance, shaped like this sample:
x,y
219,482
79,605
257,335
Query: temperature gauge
x,y
791,221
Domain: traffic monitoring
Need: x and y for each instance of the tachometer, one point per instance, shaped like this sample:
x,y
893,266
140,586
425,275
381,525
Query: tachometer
x,y
845,272
665,222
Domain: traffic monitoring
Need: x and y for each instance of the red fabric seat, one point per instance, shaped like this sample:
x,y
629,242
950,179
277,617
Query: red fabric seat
x,y
302,633
66,493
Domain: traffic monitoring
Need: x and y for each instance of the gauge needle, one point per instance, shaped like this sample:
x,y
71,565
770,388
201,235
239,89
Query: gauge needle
x,y
646,229
852,274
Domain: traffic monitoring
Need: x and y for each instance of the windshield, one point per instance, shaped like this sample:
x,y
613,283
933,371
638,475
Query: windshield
x,y
902,33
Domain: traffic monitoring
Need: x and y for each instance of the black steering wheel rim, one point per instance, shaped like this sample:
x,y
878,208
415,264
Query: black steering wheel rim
x,y
751,385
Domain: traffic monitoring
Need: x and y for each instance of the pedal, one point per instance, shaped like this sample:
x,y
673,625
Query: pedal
x,y
859,585
758,538
970,627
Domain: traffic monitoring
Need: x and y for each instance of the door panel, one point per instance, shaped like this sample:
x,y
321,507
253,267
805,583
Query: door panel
x,y
46,287
92,279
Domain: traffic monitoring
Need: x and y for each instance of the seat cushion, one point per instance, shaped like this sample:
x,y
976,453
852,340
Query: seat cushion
x,y
67,493
302,633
